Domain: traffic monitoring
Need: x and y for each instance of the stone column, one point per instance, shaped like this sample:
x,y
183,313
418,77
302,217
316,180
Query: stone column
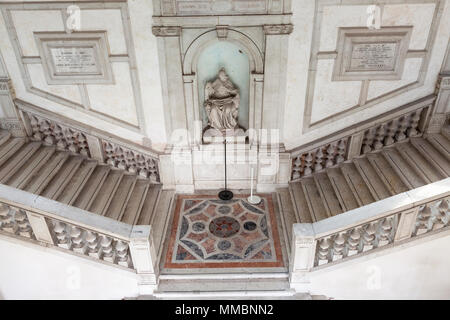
x,y
275,69
169,52
442,104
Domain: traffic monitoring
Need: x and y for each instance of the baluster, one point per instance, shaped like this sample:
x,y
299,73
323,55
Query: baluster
x,y
414,124
308,164
441,219
61,143
318,160
354,241
131,159
385,233
153,168
83,147
330,155
92,244
423,220
107,249
61,234
76,236
341,151
338,246
296,168
379,137
390,134
123,258
23,224
47,131
403,124
369,237
34,122
368,141
323,251
6,219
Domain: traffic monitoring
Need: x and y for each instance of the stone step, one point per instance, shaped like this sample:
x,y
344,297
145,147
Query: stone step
x,y
106,193
120,200
420,164
9,148
373,181
62,177
8,169
386,173
135,202
441,143
77,182
92,187
342,189
160,221
289,217
409,177
4,136
329,198
434,156
146,214
300,204
357,185
314,199
223,283
40,179
33,165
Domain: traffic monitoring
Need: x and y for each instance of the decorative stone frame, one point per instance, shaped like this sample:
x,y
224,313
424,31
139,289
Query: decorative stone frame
x,y
256,63
349,37
46,41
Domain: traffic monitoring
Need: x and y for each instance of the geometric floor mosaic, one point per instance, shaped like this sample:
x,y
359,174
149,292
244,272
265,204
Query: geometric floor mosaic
x,y
212,233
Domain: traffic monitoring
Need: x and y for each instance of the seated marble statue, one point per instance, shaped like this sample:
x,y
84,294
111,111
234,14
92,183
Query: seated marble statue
x,y
222,102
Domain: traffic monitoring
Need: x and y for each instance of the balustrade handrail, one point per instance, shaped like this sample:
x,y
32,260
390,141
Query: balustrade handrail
x,y
371,227
363,125
35,218
30,108
65,213
395,126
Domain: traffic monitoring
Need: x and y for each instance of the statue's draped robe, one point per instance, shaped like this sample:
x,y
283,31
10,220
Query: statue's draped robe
x,y
222,104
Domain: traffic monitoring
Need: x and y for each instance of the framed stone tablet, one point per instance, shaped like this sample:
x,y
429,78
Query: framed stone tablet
x,y
364,54
76,58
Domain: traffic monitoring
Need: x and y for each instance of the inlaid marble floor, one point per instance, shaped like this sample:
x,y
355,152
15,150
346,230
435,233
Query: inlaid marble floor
x,y
210,233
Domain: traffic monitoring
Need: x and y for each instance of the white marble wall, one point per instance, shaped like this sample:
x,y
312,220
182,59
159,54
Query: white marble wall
x,y
316,108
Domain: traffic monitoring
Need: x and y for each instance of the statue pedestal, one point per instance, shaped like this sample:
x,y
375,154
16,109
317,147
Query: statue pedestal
x,y
211,135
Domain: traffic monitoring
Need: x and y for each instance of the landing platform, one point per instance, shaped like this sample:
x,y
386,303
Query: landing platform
x,y
209,235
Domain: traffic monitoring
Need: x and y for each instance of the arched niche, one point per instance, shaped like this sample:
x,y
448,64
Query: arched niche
x,y
193,85
228,55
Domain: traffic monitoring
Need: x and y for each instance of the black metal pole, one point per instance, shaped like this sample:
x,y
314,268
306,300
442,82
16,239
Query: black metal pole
x,y
225,194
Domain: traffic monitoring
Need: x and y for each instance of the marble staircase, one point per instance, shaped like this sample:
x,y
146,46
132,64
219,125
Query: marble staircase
x,y
77,181
366,179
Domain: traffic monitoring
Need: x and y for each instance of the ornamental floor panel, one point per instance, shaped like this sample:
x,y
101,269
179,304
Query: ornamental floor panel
x,y
210,233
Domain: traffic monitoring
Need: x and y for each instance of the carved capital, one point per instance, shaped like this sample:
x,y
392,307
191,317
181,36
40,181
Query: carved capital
x,y
273,29
162,31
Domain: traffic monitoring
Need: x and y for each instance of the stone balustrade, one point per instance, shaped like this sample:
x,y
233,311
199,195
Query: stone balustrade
x,y
320,158
392,131
383,224
46,222
93,145
367,137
